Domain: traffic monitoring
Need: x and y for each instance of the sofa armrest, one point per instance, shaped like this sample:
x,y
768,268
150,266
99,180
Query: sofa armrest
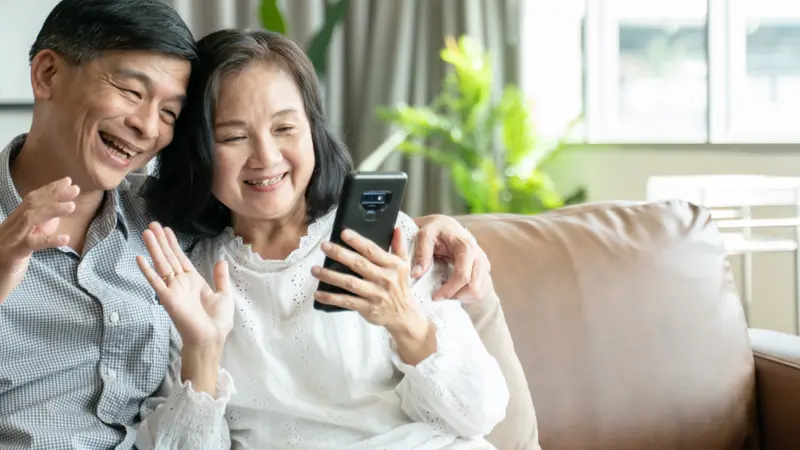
x,y
777,362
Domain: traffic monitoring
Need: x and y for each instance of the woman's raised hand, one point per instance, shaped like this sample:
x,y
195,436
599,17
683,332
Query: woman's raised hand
x,y
203,315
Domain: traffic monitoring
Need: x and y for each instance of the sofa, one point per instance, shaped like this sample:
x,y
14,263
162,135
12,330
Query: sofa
x,y
618,326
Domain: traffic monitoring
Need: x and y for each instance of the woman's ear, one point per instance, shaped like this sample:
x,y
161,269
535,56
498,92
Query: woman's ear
x,y
45,69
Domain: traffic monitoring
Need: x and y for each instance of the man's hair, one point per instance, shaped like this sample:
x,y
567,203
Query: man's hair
x,y
180,194
81,30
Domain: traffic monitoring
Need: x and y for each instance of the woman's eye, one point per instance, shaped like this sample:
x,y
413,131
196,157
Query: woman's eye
x,y
285,129
233,139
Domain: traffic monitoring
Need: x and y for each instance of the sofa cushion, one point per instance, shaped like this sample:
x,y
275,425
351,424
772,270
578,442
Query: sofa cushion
x,y
627,323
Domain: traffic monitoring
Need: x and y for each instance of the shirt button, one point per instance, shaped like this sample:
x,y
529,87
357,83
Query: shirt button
x,y
114,317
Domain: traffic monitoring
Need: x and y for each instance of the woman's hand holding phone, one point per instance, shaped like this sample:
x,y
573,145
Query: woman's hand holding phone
x,y
382,295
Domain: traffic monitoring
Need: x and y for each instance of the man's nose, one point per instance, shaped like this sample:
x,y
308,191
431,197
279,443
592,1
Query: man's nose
x,y
145,121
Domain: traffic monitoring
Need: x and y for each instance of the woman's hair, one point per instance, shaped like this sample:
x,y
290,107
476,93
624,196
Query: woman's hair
x,y
179,195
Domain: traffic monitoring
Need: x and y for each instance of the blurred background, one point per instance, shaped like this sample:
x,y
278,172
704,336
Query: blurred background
x,y
523,106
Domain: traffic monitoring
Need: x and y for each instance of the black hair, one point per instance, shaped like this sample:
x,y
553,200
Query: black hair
x,y
81,30
179,195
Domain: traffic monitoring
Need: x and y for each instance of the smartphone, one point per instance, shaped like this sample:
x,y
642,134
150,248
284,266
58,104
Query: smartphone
x,y
369,205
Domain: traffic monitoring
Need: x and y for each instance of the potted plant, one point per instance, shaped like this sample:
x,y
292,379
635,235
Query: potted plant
x,y
461,129
317,48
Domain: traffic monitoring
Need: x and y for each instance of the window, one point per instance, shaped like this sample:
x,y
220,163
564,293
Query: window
x,y
675,71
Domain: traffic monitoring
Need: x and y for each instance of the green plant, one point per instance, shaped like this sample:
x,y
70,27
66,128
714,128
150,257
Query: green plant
x,y
460,131
317,48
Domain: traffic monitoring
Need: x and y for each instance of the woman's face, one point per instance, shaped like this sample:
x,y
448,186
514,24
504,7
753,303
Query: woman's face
x,y
264,150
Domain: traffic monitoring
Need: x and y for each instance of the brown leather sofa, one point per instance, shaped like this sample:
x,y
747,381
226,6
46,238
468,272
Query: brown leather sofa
x,y
628,334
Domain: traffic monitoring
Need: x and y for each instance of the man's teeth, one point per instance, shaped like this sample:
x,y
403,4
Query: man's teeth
x,y
116,147
266,182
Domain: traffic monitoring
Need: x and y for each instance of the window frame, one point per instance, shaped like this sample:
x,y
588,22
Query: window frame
x,y
726,39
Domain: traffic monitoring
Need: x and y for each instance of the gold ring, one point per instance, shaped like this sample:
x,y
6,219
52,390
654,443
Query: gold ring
x,y
168,277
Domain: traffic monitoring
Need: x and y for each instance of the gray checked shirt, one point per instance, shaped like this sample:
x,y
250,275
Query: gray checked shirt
x,y
83,340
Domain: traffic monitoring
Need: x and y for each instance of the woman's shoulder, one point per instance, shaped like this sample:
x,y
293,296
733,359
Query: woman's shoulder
x,y
204,253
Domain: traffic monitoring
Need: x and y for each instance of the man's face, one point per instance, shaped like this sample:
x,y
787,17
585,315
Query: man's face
x,y
112,115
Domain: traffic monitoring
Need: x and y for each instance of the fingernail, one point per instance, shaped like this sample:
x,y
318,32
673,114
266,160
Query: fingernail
x,y
66,206
326,246
315,270
416,270
347,234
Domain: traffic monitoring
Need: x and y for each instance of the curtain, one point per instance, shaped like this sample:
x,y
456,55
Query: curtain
x,y
385,52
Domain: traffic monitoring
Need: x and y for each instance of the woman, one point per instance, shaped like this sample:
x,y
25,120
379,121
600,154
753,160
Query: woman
x,y
259,367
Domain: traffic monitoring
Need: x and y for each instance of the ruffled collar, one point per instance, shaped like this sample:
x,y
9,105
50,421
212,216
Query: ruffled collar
x,y
243,253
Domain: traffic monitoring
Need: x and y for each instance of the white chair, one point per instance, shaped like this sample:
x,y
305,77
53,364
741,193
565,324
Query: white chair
x,y
731,199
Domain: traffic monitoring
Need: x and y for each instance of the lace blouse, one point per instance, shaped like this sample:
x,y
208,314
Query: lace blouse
x,y
293,377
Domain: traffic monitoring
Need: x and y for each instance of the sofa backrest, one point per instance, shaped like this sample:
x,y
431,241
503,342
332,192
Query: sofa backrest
x,y
627,323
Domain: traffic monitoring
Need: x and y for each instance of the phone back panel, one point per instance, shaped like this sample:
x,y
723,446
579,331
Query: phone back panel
x,y
363,210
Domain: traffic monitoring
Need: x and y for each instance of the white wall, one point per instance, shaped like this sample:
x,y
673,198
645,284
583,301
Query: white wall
x,y
621,173
13,121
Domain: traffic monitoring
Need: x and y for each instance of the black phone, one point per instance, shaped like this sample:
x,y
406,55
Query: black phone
x,y
369,205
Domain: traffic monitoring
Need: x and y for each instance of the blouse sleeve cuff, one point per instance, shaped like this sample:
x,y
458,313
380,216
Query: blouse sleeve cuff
x,y
193,407
443,364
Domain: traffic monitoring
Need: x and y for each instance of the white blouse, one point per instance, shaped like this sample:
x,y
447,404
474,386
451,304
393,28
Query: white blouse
x,y
306,379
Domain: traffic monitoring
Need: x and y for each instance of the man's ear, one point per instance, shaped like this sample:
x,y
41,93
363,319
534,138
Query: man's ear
x,y
47,67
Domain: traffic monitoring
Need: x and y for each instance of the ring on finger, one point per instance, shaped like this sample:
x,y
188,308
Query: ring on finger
x,y
168,277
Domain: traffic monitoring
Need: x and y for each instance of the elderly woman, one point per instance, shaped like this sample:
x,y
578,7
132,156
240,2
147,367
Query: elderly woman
x,y
259,367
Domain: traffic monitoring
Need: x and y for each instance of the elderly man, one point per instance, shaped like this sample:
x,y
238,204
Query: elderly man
x,y
83,341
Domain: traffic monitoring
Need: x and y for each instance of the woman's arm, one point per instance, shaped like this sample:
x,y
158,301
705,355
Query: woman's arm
x,y
450,378
191,410
458,385
182,417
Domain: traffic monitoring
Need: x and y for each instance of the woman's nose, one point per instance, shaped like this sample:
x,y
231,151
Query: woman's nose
x,y
268,153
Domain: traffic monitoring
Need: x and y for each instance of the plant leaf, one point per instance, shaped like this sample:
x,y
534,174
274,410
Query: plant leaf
x,y
271,16
317,51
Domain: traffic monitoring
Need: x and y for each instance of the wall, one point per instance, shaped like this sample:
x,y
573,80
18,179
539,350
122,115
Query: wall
x,y
13,121
621,172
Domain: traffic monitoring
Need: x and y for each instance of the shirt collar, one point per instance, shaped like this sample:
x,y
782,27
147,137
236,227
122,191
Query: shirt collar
x,y
10,198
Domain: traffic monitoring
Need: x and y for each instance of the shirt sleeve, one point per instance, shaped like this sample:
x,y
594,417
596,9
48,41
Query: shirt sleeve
x,y
180,418
460,387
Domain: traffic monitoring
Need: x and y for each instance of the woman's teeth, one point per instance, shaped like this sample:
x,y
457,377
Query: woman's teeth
x,y
266,182
114,147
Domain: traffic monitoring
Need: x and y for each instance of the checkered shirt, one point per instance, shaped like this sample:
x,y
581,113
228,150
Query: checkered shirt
x,y
83,340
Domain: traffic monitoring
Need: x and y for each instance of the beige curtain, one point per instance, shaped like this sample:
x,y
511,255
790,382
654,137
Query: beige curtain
x,y
386,52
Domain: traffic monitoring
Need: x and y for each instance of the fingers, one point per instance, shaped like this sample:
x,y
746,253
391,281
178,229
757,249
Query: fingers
x,y
349,283
33,225
48,202
399,245
368,249
38,212
160,262
473,289
63,190
152,277
222,278
42,241
461,276
183,260
166,249
353,260
423,257
343,301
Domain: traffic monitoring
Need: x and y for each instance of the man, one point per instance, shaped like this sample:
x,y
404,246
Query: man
x,y
83,340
